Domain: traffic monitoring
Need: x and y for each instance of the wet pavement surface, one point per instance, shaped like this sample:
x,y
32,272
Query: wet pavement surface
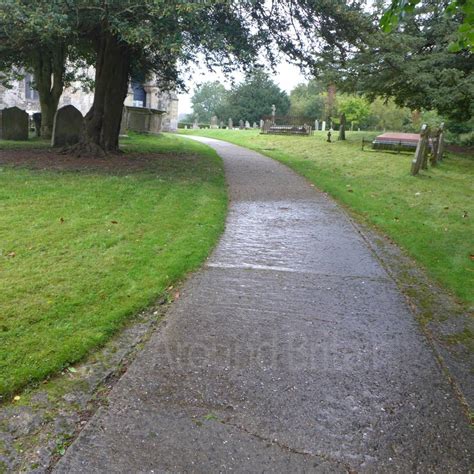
x,y
290,351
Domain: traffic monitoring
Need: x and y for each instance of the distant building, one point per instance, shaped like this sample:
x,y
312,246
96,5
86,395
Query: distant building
x,y
140,94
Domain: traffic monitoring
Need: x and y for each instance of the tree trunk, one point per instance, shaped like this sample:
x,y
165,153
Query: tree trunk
x,y
342,127
49,67
102,123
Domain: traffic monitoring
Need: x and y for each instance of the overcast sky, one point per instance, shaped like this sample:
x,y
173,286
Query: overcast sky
x,y
287,77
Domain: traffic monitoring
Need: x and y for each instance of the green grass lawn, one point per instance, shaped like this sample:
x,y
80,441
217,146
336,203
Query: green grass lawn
x,y
82,251
431,215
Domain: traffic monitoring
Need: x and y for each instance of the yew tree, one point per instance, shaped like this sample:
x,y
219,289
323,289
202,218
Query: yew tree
x,y
130,37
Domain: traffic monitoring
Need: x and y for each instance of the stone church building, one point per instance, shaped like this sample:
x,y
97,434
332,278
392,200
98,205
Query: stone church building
x,y
145,94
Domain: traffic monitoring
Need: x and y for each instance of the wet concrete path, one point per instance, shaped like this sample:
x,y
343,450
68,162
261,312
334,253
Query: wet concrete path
x,y
290,351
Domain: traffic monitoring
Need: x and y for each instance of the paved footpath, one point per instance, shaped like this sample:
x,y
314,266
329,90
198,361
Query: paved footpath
x,y
290,351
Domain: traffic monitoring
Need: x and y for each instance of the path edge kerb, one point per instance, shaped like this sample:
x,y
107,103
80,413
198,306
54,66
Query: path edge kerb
x,y
423,296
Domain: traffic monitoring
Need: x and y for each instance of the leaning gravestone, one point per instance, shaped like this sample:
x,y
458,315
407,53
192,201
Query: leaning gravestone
x,y
13,124
67,126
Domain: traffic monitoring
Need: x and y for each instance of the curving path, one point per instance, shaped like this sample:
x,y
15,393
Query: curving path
x,y
291,350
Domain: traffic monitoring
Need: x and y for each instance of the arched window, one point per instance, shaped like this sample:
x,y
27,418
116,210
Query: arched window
x,y
139,94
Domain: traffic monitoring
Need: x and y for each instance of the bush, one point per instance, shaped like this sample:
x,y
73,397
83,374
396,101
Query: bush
x,y
466,139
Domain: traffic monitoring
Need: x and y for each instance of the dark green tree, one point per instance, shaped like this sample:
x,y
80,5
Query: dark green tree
x,y
254,98
413,65
464,9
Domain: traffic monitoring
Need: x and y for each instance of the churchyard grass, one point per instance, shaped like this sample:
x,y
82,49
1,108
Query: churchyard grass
x,y
431,215
82,251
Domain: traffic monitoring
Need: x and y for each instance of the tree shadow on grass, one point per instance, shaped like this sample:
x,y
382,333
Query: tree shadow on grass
x,y
176,164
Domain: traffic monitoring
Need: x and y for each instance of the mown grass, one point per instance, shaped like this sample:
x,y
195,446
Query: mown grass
x,y
431,215
81,252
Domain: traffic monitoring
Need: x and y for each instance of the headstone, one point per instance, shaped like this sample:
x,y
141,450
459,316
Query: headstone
x,y
67,126
241,124
214,122
13,124
185,127
37,122
255,125
266,126
261,123
247,125
195,125
273,113
230,124
329,136
358,129
221,124
323,126
316,125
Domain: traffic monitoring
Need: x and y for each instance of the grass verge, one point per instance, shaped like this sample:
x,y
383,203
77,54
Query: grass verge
x,y
431,216
85,246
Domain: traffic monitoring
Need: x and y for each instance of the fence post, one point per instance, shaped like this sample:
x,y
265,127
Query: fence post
x,y
440,151
421,149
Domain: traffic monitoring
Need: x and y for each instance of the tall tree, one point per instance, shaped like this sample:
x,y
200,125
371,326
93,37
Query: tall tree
x,y
208,100
151,36
307,100
254,98
413,65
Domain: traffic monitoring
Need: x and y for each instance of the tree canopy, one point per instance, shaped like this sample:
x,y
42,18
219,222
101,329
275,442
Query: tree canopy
x,y
413,65
208,100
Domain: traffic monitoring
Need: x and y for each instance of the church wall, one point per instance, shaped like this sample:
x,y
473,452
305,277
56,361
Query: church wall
x,y
74,95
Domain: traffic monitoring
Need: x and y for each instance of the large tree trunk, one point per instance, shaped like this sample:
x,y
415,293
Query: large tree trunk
x,y
102,122
49,67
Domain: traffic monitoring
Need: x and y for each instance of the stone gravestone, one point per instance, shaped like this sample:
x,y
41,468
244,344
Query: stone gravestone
x,y
247,125
323,126
241,124
254,125
316,125
230,124
37,122
262,123
214,122
195,125
67,126
13,124
221,124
